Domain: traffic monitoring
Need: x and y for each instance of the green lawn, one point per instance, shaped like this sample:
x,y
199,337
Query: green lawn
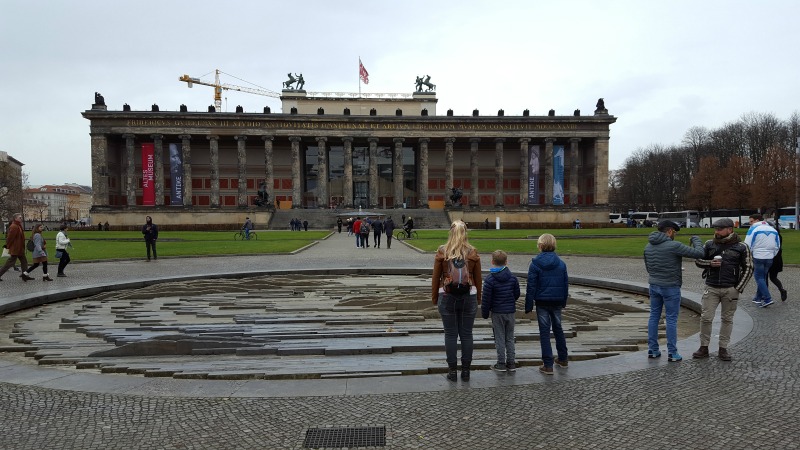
x,y
99,245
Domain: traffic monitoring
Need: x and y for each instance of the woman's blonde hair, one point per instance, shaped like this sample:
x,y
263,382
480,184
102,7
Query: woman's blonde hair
x,y
546,243
457,246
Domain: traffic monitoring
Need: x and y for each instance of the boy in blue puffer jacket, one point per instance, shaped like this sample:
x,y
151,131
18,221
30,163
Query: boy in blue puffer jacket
x,y
548,287
499,296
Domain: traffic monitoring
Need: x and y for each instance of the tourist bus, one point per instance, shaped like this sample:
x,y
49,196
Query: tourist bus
x,y
740,217
787,217
687,219
645,216
618,217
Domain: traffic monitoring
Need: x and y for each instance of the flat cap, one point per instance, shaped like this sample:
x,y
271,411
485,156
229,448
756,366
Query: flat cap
x,y
664,225
722,223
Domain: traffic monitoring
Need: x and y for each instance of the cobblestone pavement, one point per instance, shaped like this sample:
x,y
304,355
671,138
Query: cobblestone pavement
x,y
748,403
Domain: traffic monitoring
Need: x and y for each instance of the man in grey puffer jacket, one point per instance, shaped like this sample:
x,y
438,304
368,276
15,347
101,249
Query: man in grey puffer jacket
x,y
662,258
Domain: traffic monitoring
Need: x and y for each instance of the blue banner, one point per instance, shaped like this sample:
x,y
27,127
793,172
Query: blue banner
x,y
533,175
176,175
558,174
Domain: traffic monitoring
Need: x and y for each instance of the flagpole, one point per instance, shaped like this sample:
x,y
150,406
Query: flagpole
x,y
359,77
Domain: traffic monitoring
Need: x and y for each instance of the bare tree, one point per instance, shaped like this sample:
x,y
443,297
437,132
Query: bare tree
x,y
735,182
774,182
704,183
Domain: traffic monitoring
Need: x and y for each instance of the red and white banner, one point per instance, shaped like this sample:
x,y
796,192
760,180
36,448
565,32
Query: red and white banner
x,y
148,172
362,72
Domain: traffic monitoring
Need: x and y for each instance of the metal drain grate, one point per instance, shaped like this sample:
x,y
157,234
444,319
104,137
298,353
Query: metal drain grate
x,y
347,437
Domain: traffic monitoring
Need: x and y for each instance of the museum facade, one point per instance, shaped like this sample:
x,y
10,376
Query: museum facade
x,y
329,151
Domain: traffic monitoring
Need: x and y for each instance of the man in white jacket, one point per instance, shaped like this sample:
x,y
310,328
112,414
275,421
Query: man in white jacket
x,y
764,243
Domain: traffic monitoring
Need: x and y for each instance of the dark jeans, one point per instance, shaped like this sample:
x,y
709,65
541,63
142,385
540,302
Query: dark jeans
x,y
35,265
151,244
388,240
550,317
458,317
23,261
62,263
376,239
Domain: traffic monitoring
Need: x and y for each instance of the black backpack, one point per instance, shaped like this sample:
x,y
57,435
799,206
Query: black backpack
x,y
364,228
457,280
30,245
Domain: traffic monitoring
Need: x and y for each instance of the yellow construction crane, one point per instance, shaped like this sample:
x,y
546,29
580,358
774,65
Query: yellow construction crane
x,y
218,87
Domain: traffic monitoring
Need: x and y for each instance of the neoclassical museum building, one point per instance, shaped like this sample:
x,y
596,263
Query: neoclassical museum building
x,y
343,151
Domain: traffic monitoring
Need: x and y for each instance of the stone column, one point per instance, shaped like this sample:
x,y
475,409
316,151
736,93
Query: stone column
x,y
297,189
186,150
269,174
474,199
348,172
158,154
423,172
498,172
373,172
214,162
523,171
601,171
322,173
574,164
241,162
130,169
99,144
548,170
448,170
398,172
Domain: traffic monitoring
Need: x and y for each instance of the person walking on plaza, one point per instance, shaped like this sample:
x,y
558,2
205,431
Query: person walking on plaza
x,y
39,254
150,232
662,259
777,263
248,225
305,225
377,230
339,224
500,294
764,244
15,243
388,228
727,267
357,231
456,291
365,229
62,242
548,289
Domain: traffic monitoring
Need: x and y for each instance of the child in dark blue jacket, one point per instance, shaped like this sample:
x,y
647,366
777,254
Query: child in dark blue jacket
x,y
548,287
500,294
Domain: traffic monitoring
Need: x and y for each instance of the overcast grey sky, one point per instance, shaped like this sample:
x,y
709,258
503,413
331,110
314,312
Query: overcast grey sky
x,y
662,67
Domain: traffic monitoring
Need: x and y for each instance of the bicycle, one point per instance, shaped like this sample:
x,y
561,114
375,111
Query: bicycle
x,y
401,235
240,236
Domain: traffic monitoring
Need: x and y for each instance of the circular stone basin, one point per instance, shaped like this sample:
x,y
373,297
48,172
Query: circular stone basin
x,y
299,326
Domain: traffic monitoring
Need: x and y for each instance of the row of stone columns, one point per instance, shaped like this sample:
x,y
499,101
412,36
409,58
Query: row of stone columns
x,y
601,169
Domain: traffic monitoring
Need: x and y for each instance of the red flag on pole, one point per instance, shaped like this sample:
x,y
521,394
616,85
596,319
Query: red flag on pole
x,y
362,72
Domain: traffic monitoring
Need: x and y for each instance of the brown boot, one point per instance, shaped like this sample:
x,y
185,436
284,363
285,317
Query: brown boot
x,y
701,352
724,355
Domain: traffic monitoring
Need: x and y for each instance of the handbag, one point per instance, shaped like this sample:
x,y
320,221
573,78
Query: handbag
x,y
59,253
6,254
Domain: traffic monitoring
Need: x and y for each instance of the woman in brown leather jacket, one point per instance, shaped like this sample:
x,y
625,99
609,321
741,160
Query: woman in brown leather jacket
x,y
457,310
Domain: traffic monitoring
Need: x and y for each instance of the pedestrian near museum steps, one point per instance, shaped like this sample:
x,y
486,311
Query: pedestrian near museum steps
x,y
662,259
727,267
377,230
15,243
764,244
62,242
388,228
548,289
150,232
457,311
777,264
39,254
500,294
